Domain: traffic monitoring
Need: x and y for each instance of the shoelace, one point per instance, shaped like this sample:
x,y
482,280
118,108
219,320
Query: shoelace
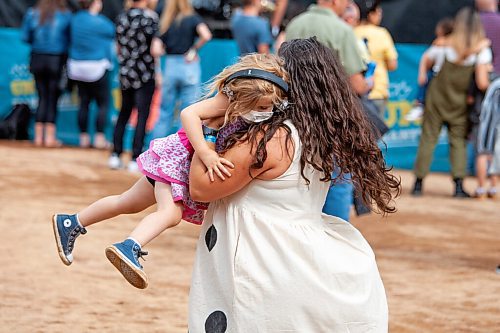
x,y
72,236
138,253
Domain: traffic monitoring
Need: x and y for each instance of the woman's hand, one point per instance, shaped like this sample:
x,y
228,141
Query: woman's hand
x,y
214,163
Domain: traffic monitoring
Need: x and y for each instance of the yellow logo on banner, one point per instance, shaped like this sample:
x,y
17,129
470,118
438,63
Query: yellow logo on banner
x,y
396,112
22,87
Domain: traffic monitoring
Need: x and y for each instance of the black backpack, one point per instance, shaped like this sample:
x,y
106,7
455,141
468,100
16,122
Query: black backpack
x,y
15,125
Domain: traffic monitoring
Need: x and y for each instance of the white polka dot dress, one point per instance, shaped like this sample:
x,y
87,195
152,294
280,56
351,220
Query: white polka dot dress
x,y
268,260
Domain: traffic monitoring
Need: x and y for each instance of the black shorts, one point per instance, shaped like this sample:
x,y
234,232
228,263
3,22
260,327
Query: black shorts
x,y
151,181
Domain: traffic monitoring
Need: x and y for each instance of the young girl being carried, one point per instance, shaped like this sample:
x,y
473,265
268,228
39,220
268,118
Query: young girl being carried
x,y
247,92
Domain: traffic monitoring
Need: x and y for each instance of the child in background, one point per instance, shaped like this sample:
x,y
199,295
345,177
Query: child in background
x,y
443,29
249,91
487,143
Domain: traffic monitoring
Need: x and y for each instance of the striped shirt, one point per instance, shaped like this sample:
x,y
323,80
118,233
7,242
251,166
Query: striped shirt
x,y
491,23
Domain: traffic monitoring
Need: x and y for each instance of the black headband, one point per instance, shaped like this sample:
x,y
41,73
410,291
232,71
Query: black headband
x,y
254,73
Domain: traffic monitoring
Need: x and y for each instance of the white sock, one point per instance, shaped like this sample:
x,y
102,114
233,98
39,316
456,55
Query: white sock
x,y
135,241
78,221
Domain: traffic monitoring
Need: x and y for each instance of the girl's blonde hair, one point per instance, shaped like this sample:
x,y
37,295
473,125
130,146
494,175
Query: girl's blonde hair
x,y
245,93
174,10
468,33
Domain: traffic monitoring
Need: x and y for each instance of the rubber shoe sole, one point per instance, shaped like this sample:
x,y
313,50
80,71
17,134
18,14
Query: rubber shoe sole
x,y
63,257
134,276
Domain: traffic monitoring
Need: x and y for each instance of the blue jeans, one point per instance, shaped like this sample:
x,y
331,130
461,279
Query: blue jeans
x,y
422,90
339,198
181,88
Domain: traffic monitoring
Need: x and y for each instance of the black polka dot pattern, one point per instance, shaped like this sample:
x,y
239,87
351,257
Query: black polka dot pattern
x,y
211,238
216,322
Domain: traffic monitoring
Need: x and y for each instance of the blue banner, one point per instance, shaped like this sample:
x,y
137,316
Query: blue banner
x,y
17,86
402,139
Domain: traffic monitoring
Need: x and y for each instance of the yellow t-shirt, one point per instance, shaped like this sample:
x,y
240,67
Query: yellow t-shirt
x,y
381,48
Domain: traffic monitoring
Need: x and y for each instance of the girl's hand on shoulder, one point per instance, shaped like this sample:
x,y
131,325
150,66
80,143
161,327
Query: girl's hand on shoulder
x,y
215,164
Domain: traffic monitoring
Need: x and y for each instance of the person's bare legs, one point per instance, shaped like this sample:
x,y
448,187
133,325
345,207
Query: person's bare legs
x,y
168,214
125,255
493,191
39,133
68,227
136,199
481,174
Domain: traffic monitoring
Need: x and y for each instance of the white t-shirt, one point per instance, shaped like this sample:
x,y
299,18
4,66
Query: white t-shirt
x,y
439,53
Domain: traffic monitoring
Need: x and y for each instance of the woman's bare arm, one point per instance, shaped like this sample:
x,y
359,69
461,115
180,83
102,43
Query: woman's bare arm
x,y
242,156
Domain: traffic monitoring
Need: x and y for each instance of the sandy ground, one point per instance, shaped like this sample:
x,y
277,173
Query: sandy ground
x,y
437,255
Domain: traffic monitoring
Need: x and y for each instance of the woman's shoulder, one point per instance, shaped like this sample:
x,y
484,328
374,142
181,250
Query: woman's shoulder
x,y
66,13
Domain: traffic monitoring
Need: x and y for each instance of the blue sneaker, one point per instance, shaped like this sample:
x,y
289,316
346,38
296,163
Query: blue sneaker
x,y
66,229
125,257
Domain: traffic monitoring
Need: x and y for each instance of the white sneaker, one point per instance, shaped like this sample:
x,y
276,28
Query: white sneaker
x,y
132,166
415,113
114,162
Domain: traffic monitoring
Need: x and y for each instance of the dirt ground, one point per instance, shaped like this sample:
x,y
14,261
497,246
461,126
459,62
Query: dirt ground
x,y
437,255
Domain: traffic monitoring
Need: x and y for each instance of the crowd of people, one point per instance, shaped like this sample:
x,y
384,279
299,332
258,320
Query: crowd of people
x,y
301,112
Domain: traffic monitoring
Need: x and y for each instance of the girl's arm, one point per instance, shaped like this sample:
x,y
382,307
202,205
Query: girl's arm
x,y
424,66
192,118
242,155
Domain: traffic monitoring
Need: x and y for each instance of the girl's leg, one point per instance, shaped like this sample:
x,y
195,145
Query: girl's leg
x,y
68,227
167,215
481,174
139,197
125,255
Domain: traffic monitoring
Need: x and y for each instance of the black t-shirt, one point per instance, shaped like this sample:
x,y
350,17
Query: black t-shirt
x,y
181,34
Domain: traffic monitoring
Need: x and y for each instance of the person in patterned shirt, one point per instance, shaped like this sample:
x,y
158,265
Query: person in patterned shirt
x,y
136,29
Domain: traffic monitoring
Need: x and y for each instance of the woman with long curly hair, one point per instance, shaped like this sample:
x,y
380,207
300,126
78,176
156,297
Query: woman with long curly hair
x,y
267,259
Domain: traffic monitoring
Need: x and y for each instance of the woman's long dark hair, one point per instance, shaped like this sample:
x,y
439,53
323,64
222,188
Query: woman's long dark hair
x,y
334,131
48,8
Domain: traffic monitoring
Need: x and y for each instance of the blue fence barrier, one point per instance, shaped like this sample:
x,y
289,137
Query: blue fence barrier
x,y
17,86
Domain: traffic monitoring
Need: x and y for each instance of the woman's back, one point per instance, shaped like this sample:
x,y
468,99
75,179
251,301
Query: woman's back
x,y
287,194
91,36
181,34
51,37
268,261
